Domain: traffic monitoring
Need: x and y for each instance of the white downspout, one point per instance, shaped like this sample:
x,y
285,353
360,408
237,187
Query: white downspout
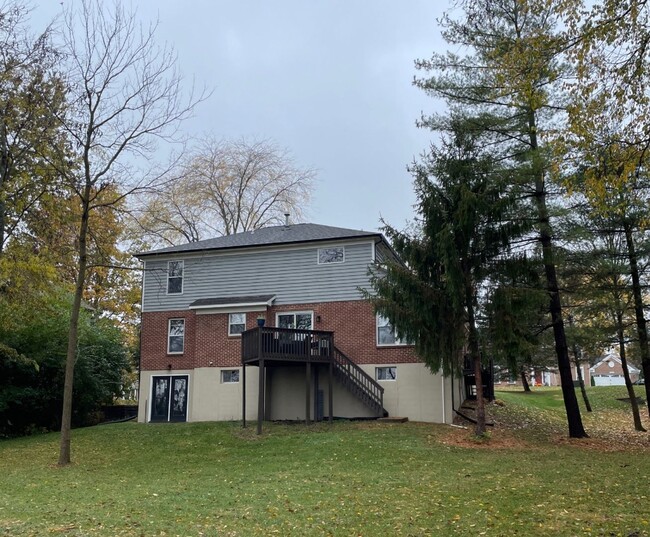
x,y
444,410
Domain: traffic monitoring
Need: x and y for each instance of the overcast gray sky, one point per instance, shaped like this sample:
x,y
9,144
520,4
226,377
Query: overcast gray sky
x,y
330,80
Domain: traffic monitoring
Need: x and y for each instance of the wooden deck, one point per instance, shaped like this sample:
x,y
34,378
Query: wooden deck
x,y
286,345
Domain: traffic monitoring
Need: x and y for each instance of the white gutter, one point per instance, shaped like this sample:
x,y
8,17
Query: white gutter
x,y
233,305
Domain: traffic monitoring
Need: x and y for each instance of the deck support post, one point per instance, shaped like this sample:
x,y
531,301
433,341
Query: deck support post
x,y
243,395
329,393
314,407
260,401
307,391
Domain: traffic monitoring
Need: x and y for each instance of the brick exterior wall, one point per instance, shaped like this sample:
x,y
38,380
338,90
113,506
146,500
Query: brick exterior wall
x,y
207,342
617,370
153,341
354,327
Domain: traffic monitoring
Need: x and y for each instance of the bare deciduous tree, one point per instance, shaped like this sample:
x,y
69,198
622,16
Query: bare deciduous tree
x,y
125,96
225,187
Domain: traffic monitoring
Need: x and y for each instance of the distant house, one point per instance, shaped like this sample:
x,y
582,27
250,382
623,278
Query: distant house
x,y
321,347
609,371
547,376
551,377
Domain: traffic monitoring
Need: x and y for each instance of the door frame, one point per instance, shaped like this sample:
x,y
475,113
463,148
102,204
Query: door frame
x,y
171,378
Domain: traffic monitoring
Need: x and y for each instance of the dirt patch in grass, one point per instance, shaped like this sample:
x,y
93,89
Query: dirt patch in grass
x,y
529,421
626,442
495,439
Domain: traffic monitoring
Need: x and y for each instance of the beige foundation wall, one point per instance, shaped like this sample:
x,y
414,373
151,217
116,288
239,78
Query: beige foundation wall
x,y
417,394
346,405
218,401
286,395
208,398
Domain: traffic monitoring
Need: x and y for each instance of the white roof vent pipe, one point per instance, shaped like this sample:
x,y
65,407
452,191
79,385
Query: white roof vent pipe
x,y
286,219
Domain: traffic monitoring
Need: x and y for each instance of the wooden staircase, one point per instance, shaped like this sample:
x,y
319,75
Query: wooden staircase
x,y
359,383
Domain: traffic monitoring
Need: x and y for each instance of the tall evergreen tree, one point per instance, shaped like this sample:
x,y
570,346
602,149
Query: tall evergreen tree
x,y
516,316
608,129
616,186
511,68
435,299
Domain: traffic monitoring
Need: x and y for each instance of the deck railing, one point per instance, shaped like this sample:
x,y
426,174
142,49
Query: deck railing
x,y
286,344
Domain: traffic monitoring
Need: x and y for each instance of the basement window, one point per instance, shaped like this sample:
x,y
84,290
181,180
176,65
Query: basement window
x,y
229,376
386,373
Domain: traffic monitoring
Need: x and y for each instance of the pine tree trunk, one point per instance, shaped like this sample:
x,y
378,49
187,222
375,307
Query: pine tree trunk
x,y
475,354
576,361
524,381
636,417
641,328
480,400
574,419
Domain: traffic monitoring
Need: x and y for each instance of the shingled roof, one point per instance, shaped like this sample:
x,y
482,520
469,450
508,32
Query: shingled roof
x,y
286,234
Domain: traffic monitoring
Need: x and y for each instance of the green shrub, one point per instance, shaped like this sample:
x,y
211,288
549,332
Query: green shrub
x,y
34,340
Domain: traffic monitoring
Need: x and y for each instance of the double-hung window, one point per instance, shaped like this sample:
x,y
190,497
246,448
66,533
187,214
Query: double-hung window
x,y
175,277
236,323
176,336
386,334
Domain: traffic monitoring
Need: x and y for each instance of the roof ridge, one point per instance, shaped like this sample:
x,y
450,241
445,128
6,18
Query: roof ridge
x,y
267,236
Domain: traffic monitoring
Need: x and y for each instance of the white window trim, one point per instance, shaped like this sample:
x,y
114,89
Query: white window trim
x,y
144,274
230,381
182,262
169,326
318,250
294,313
230,324
398,342
385,367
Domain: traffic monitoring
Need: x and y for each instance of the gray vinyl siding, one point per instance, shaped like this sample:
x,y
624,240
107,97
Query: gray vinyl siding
x,y
292,274
383,254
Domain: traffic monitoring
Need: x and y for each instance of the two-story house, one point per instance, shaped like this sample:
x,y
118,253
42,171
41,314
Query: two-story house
x,y
321,350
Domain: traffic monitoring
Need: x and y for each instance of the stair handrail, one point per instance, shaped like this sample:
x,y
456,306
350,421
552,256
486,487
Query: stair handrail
x,y
360,377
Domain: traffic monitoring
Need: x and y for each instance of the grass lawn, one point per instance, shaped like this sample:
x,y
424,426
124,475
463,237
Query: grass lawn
x,y
350,479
